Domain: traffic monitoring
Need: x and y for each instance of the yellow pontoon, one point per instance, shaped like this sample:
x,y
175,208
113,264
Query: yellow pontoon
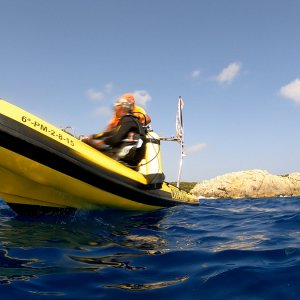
x,y
44,168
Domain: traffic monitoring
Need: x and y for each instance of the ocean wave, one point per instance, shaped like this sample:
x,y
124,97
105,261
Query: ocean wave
x,y
223,249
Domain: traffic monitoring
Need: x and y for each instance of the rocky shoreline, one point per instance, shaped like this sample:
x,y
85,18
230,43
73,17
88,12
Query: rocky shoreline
x,y
249,184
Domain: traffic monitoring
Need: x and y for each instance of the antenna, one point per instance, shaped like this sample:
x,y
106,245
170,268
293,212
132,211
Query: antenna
x,y
180,136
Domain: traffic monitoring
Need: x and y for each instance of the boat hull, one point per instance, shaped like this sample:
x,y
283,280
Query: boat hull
x,y
43,166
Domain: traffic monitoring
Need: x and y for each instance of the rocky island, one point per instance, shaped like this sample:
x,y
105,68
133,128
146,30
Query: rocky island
x,y
249,184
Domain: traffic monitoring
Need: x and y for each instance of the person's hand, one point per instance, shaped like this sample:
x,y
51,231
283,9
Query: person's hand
x,y
98,144
86,139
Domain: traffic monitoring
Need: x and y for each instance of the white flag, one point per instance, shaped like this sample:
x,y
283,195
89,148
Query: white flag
x,y
179,135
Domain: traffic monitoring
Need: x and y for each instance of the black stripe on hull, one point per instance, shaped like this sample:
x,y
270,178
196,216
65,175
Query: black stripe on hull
x,y
38,210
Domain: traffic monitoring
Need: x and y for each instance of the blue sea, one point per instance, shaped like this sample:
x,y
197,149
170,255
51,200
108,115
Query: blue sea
x,y
222,249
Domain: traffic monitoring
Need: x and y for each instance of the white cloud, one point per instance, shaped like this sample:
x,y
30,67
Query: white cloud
x,y
95,95
228,74
292,91
99,95
142,97
195,148
196,74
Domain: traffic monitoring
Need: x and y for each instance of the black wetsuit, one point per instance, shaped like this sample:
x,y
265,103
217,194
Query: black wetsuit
x,y
126,133
127,123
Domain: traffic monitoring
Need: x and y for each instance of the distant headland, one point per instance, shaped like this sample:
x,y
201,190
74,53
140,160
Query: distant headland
x,y
249,184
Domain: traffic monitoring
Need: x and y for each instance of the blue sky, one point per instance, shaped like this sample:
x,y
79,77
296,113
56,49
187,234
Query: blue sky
x,y
235,63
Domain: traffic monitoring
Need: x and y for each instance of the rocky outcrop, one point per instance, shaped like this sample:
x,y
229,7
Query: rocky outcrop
x,y
249,184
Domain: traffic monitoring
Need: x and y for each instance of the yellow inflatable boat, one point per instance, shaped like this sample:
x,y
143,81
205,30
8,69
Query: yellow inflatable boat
x,y
44,168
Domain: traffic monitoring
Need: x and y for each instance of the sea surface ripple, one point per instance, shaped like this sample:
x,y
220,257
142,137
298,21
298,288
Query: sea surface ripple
x,y
223,249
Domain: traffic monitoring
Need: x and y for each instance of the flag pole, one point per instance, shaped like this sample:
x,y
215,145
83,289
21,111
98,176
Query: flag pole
x,y
180,136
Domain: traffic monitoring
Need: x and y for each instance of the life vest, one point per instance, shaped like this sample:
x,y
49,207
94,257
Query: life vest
x,y
138,112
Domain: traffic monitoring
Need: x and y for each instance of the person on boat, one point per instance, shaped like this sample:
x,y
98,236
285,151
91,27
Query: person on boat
x,y
137,111
124,141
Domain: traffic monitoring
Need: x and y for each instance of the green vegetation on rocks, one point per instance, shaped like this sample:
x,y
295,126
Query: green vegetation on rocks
x,y
186,186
